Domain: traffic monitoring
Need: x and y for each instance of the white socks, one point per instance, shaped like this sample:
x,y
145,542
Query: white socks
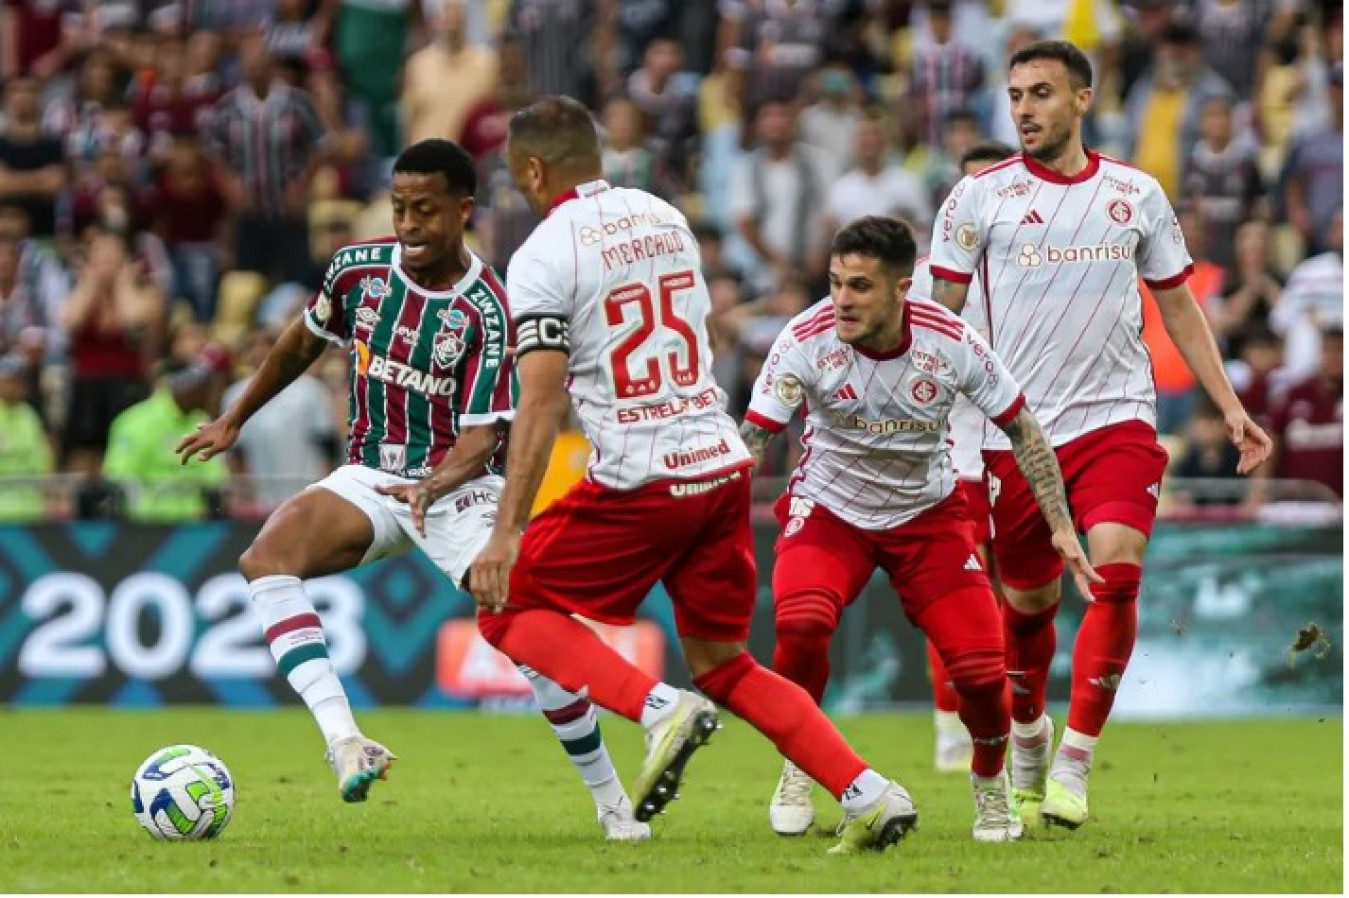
x,y
295,636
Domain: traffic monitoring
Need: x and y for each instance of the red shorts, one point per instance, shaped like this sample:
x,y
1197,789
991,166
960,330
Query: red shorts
x,y
1113,475
925,558
597,552
976,501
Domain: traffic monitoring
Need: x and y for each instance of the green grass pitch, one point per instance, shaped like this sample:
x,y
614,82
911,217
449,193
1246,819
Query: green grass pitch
x,y
489,804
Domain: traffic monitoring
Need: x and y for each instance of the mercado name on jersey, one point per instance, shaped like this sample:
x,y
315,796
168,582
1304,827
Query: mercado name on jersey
x,y
424,363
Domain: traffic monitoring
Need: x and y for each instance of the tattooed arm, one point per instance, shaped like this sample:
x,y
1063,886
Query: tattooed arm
x,y
950,294
756,438
1038,464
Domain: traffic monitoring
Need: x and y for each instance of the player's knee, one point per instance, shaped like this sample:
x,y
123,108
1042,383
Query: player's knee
x,y
1121,583
806,616
706,655
261,559
975,671
493,627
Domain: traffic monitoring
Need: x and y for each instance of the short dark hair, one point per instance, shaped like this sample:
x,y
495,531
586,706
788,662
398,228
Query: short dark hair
x,y
884,238
1073,59
437,156
986,151
558,130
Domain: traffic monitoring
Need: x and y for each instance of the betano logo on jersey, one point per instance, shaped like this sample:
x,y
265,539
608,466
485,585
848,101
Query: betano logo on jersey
x,y
377,367
1032,256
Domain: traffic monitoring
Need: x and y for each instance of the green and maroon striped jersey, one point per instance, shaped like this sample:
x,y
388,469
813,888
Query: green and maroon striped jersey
x,y
424,363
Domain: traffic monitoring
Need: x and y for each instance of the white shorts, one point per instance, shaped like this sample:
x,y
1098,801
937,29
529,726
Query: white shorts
x,y
457,527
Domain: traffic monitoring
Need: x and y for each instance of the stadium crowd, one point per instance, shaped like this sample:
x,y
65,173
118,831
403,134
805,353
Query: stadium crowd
x,y
174,175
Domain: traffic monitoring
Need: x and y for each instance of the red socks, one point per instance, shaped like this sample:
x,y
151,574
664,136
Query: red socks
x,y
570,654
1103,646
944,695
784,713
966,626
1031,640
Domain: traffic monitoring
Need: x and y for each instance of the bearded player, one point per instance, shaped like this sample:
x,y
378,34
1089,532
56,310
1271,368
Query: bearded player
x,y
878,374
432,393
953,749
611,306
1057,237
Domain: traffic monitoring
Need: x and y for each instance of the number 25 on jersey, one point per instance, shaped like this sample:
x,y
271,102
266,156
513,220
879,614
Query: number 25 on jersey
x,y
639,370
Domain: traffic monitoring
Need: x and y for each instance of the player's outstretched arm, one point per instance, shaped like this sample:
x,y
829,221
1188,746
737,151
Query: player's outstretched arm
x,y
543,399
292,355
950,294
1187,328
1038,464
756,439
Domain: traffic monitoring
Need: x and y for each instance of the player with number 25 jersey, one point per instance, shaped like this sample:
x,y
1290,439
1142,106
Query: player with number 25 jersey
x,y
610,303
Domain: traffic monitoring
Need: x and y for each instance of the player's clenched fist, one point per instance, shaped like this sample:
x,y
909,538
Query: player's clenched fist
x,y
491,571
210,439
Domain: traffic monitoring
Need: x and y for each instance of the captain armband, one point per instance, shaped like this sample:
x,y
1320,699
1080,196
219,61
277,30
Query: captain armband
x,y
542,332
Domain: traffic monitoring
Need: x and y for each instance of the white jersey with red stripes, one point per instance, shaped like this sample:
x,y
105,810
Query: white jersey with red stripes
x,y
613,275
876,425
1058,259
966,422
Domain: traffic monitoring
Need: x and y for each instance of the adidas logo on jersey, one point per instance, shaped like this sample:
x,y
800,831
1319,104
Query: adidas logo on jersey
x,y
1032,218
973,564
1155,490
843,393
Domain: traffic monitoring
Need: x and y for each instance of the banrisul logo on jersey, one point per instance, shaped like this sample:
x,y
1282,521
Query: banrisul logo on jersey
x,y
1032,255
398,374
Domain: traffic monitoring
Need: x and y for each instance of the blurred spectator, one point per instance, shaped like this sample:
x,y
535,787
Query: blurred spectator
x,y
32,165
876,186
668,99
1308,423
1256,372
1251,290
268,190
1236,32
829,123
24,450
1208,453
371,40
108,316
292,31
941,169
1222,176
1314,175
429,110
187,210
169,106
1313,300
32,37
1162,109
1175,382
291,441
777,45
947,74
712,249
777,198
486,123
23,318
99,81
628,159
567,46
141,458
642,23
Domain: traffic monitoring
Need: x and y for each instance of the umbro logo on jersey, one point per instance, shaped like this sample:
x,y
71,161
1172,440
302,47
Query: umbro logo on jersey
x,y
1032,217
844,392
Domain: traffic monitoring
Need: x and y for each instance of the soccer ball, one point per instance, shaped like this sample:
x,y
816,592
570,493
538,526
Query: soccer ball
x,y
182,793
